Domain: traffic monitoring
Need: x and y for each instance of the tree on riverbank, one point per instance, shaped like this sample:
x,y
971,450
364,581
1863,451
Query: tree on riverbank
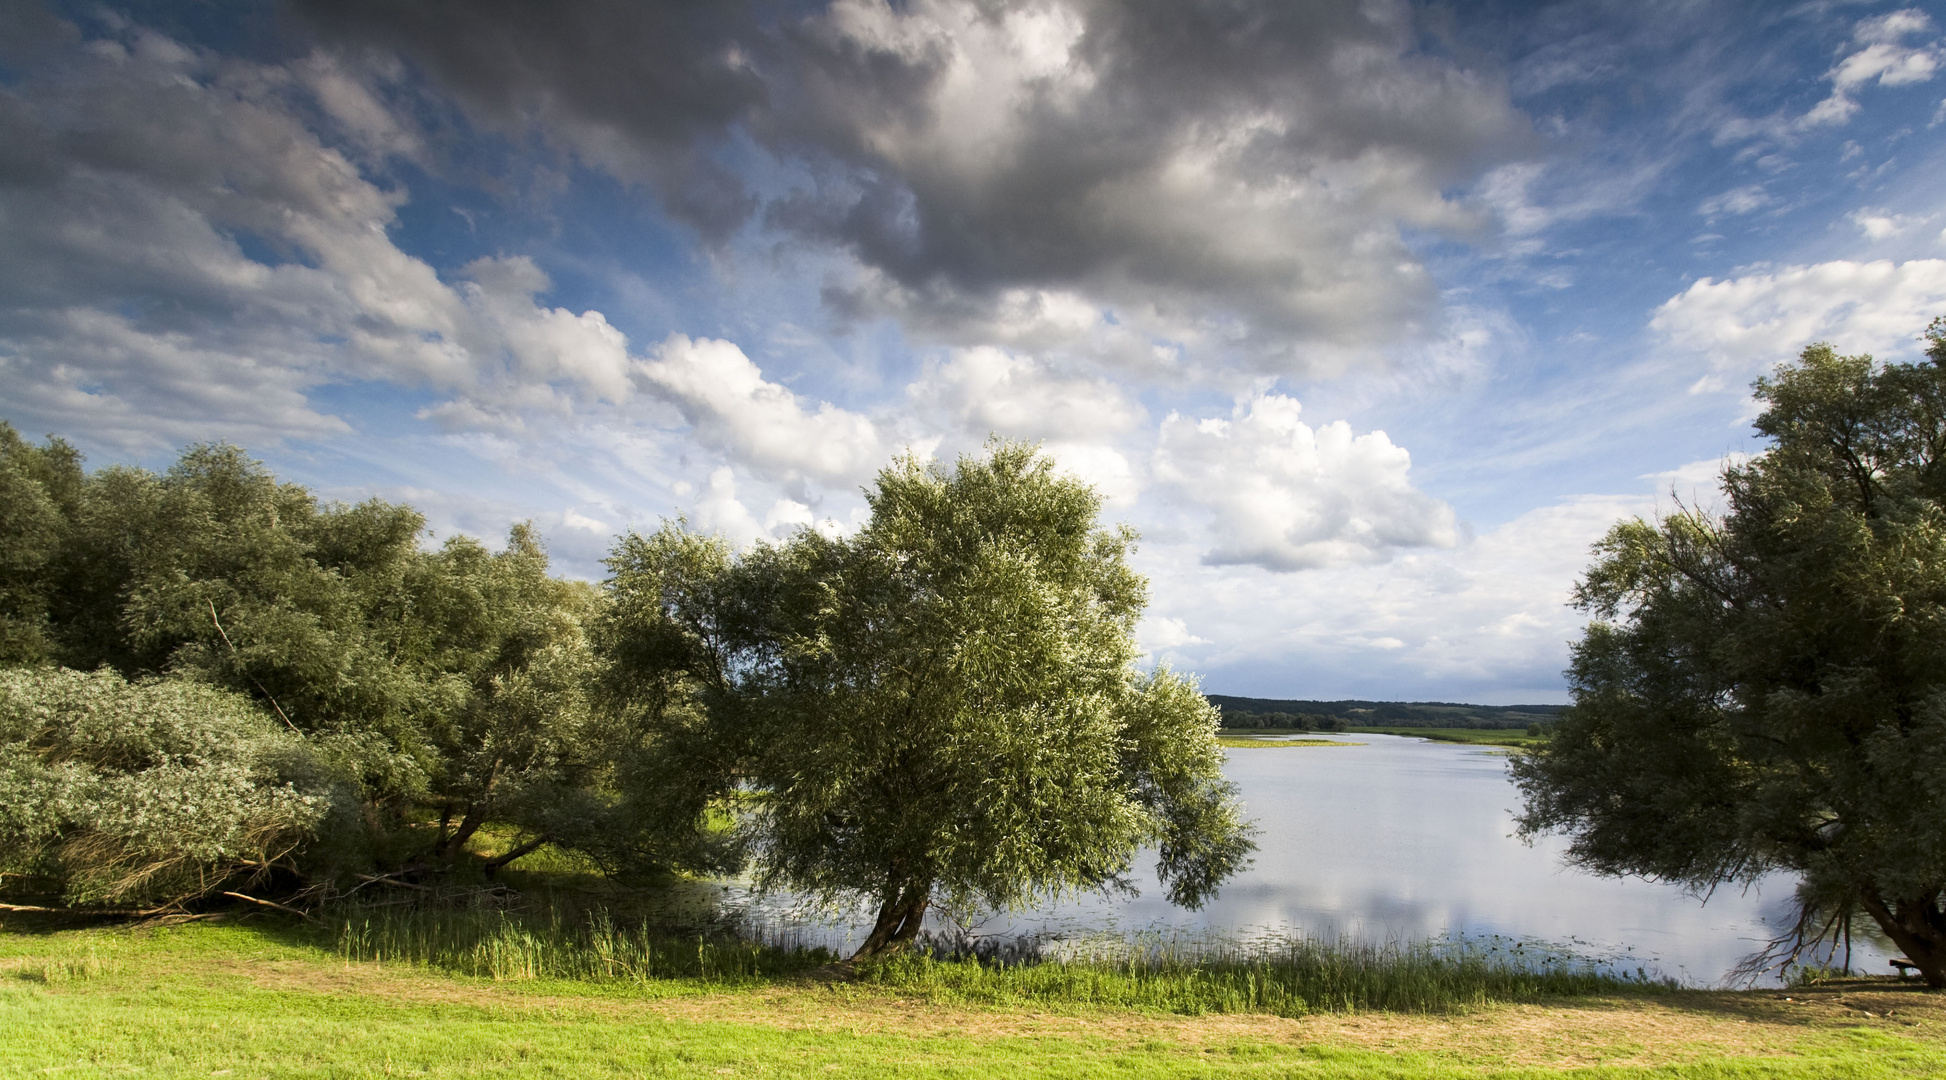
x,y
446,684
943,707
1765,690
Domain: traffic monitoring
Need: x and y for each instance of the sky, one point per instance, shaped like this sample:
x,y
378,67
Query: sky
x,y
1371,317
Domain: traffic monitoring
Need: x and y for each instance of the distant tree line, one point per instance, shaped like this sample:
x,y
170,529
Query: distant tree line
x,y
1243,712
1236,718
212,681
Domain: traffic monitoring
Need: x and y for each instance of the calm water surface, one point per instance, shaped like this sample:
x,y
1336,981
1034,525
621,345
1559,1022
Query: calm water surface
x,y
1407,839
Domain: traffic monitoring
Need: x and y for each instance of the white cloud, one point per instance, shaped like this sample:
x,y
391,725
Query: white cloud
x,y
761,424
1883,224
1741,200
572,519
1158,633
1489,614
137,314
1080,420
1883,58
1765,318
719,510
1285,496
986,389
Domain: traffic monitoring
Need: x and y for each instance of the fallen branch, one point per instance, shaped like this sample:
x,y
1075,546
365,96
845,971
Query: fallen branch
x,y
272,904
387,879
120,912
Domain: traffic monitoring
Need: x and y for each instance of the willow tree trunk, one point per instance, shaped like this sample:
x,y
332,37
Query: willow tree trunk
x,y
476,814
899,919
1918,928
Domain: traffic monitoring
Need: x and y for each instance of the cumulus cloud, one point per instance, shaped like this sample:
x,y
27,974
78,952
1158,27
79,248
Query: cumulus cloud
x,y
1233,174
989,389
1081,420
1285,496
1251,162
183,252
1764,318
733,408
1883,224
1160,633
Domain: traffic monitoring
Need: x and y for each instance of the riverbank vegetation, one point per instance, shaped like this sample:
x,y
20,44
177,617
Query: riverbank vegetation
x,y
1762,690
1513,737
1265,742
215,688
276,999
1244,712
557,938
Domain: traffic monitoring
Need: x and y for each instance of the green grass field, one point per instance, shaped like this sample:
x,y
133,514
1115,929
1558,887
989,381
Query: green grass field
x,y
258,999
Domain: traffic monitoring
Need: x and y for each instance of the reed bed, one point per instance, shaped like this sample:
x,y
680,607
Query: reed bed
x,y
1180,974
553,941
1283,976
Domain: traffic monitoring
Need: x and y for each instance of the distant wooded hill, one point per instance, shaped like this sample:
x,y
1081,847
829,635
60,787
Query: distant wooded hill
x,y
1244,712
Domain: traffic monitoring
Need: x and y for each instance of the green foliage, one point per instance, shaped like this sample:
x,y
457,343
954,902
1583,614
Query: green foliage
x,y
1241,720
39,488
944,705
149,792
454,678
1766,690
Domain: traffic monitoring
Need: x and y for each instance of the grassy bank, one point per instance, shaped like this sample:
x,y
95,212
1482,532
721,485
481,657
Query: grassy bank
x,y
1259,742
1189,975
258,999
1515,737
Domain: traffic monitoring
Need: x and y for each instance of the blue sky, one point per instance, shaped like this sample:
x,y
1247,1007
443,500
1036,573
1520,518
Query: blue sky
x,y
1371,317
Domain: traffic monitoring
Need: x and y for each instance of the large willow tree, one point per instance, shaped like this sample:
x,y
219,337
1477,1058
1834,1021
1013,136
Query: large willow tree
x,y
1765,690
945,706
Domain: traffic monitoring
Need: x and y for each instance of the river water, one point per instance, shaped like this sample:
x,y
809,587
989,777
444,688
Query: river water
x,y
1406,839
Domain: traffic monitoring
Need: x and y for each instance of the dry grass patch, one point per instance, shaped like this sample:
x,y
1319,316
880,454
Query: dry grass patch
x,y
1662,1029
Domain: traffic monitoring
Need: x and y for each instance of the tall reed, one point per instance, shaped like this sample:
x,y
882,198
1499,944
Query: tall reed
x,y
1183,974
559,941
1286,976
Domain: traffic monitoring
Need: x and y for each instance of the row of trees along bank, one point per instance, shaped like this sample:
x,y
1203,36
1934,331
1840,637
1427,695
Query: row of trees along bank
x,y
213,682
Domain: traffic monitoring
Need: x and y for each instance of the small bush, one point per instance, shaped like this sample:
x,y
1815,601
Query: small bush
x,y
147,792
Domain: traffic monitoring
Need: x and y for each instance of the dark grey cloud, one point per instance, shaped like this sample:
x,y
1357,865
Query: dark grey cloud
x,y
646,90
1196,160
1228,171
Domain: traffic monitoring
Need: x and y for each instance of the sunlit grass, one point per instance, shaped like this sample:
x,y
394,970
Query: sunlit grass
x,y
1191,975
267,999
